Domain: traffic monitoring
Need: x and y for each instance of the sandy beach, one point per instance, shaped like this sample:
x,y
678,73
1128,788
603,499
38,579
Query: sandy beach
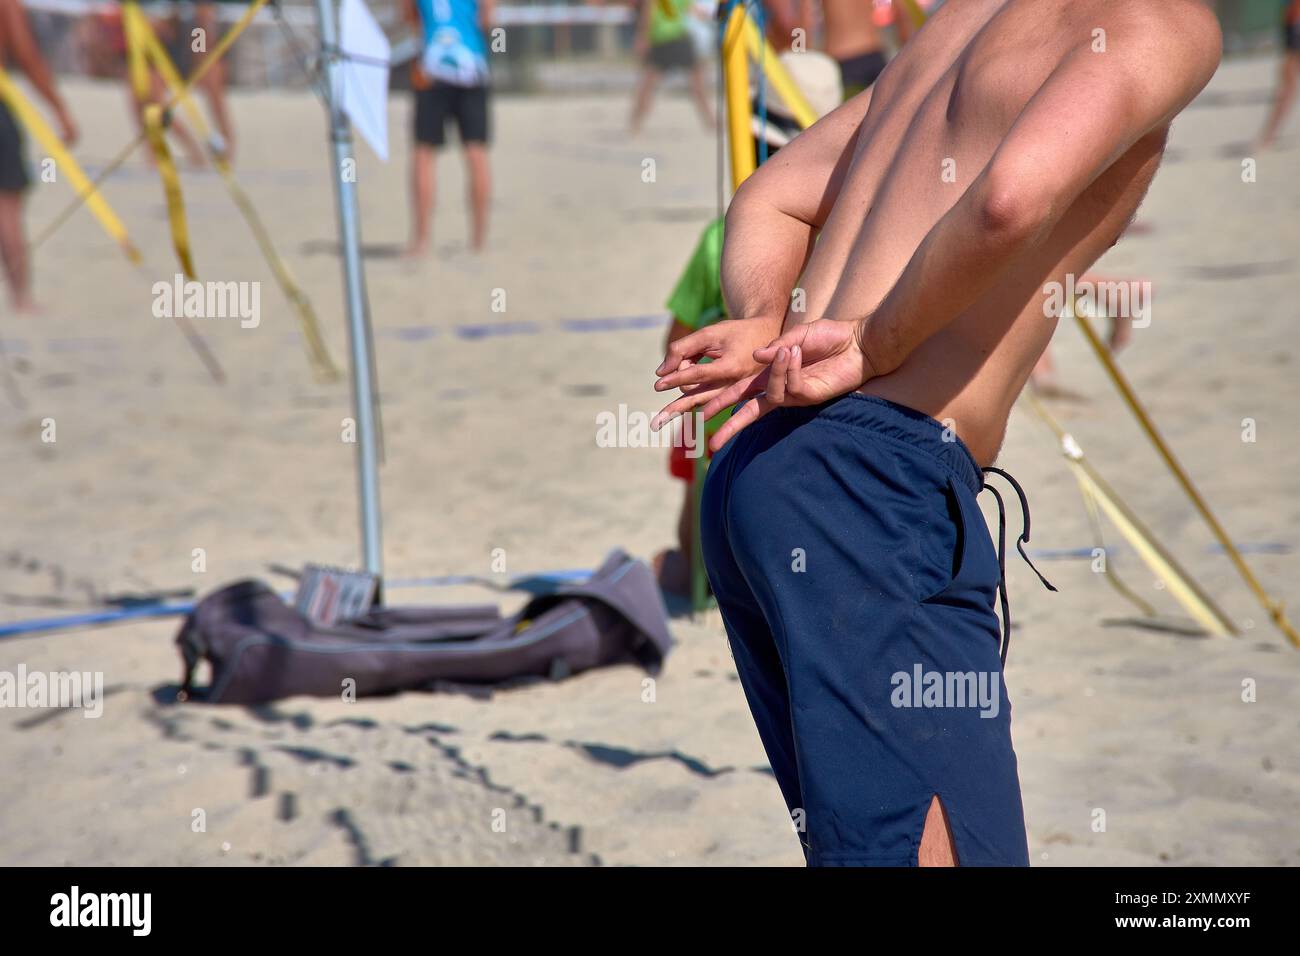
x,y
489,425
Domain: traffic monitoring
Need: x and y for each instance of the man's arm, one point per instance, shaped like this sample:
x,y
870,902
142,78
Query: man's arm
x,y
641,39
775,215
771,224
781,21
27,55
487,13
808,20
1088,114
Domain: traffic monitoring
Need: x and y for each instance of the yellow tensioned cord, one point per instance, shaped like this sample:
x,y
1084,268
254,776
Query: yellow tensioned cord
x,y
323,366
1273,607
760,51
139,53
735,71
49,141
1163,564
222,46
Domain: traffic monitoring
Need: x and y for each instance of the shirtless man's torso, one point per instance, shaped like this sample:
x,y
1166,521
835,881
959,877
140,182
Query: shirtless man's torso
x,y
1007,145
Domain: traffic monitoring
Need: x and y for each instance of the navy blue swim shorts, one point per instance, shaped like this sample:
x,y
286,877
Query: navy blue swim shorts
x,y
857,578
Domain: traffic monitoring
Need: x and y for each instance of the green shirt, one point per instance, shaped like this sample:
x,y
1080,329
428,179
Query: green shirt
x,y
697,301
664,28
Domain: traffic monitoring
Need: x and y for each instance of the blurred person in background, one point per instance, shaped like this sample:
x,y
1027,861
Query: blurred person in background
x,y
853,32
176,42
102,42
213,83
663,44
18,47
1286,81
450,82
1044,380
852,37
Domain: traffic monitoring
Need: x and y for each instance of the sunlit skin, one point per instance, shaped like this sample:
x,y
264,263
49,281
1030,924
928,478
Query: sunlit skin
x,y
1284,94
849,27
477,169
648,81
922,288
18,47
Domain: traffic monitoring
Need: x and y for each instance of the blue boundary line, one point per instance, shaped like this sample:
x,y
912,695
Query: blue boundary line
x,y
69,621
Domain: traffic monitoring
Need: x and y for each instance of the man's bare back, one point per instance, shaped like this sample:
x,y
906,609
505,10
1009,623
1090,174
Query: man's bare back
x,y
1007,145
951,97
850,28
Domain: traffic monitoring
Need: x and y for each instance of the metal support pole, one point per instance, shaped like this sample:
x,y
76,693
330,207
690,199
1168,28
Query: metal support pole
x,y
345,194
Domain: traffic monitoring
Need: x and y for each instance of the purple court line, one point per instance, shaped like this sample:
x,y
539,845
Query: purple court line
x,y
485,330
492,331
614,324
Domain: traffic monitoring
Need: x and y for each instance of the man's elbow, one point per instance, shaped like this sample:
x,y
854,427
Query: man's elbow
x,y
748,195
1010,213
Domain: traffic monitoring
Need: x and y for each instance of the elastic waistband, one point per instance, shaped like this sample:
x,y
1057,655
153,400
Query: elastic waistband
x,y
903,424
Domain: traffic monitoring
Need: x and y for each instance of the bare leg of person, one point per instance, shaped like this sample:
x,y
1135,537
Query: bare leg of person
x,y
645,92
480,186
13,251
1045,383
214,82
189,142
1282,99
936,839
672,567
422,190
701,94
214,85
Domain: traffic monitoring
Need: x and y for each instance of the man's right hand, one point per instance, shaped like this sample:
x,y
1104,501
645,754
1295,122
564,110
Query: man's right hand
x,y
728,376
812,363
68,131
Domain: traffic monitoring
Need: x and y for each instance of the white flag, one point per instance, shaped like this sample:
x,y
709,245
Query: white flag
x,y
365,74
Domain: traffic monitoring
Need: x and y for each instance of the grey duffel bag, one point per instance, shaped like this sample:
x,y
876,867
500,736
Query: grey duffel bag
x,y
261,649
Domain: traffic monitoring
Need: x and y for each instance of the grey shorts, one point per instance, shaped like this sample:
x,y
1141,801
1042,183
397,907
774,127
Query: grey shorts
x,y
678,54
13,164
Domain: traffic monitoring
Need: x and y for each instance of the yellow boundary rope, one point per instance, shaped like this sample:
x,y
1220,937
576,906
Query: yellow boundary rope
x,y
323,366
1112,576
180,91
1180,584
87,192
735,73
1273,607
141,53
761,52
218,52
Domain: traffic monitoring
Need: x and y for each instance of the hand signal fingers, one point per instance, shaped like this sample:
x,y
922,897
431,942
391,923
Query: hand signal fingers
x,y
776,381
744,389
687,347
711,373
767,354
680,406
744,416
794,380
